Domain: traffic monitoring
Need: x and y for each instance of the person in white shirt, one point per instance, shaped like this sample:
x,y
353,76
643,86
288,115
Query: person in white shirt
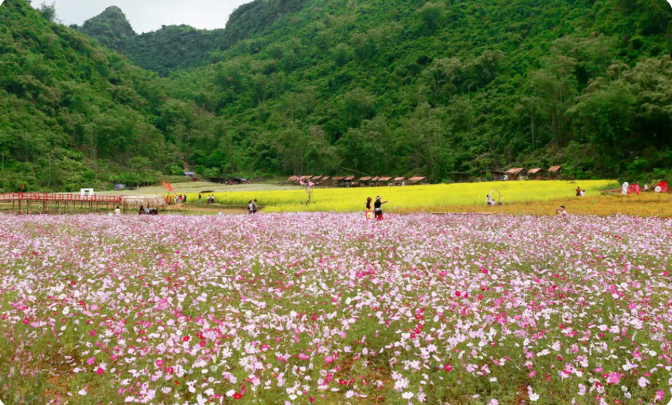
x,y
117,211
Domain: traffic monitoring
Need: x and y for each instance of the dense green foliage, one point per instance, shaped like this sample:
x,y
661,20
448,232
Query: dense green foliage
x,y
179,47
70,114
315,86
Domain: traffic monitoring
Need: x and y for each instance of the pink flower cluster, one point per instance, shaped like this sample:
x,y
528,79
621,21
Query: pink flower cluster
x,y
303,308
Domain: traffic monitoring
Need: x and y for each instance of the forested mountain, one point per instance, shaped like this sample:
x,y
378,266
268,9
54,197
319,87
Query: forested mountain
x,y
179,47
316,86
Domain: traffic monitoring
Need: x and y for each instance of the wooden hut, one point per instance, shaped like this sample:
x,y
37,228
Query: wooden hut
x,y
555,172
497,175
134,202
400,181
385,181
459,177
291,180
516,173
337,181
536,174
349,181
365,181
417,180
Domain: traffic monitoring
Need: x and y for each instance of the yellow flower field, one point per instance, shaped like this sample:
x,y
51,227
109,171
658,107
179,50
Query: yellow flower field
x,y
411,198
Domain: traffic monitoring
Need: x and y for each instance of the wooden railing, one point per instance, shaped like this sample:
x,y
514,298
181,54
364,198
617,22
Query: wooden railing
x,y
59,197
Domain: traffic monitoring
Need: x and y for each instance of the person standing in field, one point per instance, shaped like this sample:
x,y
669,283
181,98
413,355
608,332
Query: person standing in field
x,y
583,193
254,206
369,208
578,191
184,199
378,208
199,198
117,211
562,213
250,207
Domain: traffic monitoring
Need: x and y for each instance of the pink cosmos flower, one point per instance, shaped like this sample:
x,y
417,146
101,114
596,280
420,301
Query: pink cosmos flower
x,y
660,395
613,378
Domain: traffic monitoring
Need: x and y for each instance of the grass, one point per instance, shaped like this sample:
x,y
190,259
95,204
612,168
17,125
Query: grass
x,y
645,205
410,198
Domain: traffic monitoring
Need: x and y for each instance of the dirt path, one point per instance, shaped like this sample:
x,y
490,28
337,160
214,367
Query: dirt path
x,y
200,187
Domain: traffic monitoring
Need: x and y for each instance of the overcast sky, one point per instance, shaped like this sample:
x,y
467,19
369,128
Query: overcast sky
x,y
149,15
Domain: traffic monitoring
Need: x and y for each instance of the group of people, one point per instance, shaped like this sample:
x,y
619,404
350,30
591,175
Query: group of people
x,y
491,202
210,198
181,199
580,193
252,207
145,211
377,208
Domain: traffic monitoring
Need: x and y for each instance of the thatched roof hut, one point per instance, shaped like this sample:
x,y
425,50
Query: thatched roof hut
x,y
516,173
417,180
135,201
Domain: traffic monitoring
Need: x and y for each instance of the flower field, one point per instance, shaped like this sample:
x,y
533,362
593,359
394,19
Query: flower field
x,y
332,309
409,197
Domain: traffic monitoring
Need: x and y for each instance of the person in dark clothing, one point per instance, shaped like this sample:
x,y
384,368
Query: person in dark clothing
x,y
254,206
142,210
378,208
184,199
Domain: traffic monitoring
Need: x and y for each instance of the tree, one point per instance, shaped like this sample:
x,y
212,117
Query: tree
x,y
357,105
604,114
441,78
368,149
48,11
432,15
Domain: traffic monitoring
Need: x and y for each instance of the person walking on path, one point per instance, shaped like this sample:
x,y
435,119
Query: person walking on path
x,y
378,208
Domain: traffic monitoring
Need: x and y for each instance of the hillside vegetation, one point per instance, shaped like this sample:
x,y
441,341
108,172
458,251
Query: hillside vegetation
x,y
322,87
